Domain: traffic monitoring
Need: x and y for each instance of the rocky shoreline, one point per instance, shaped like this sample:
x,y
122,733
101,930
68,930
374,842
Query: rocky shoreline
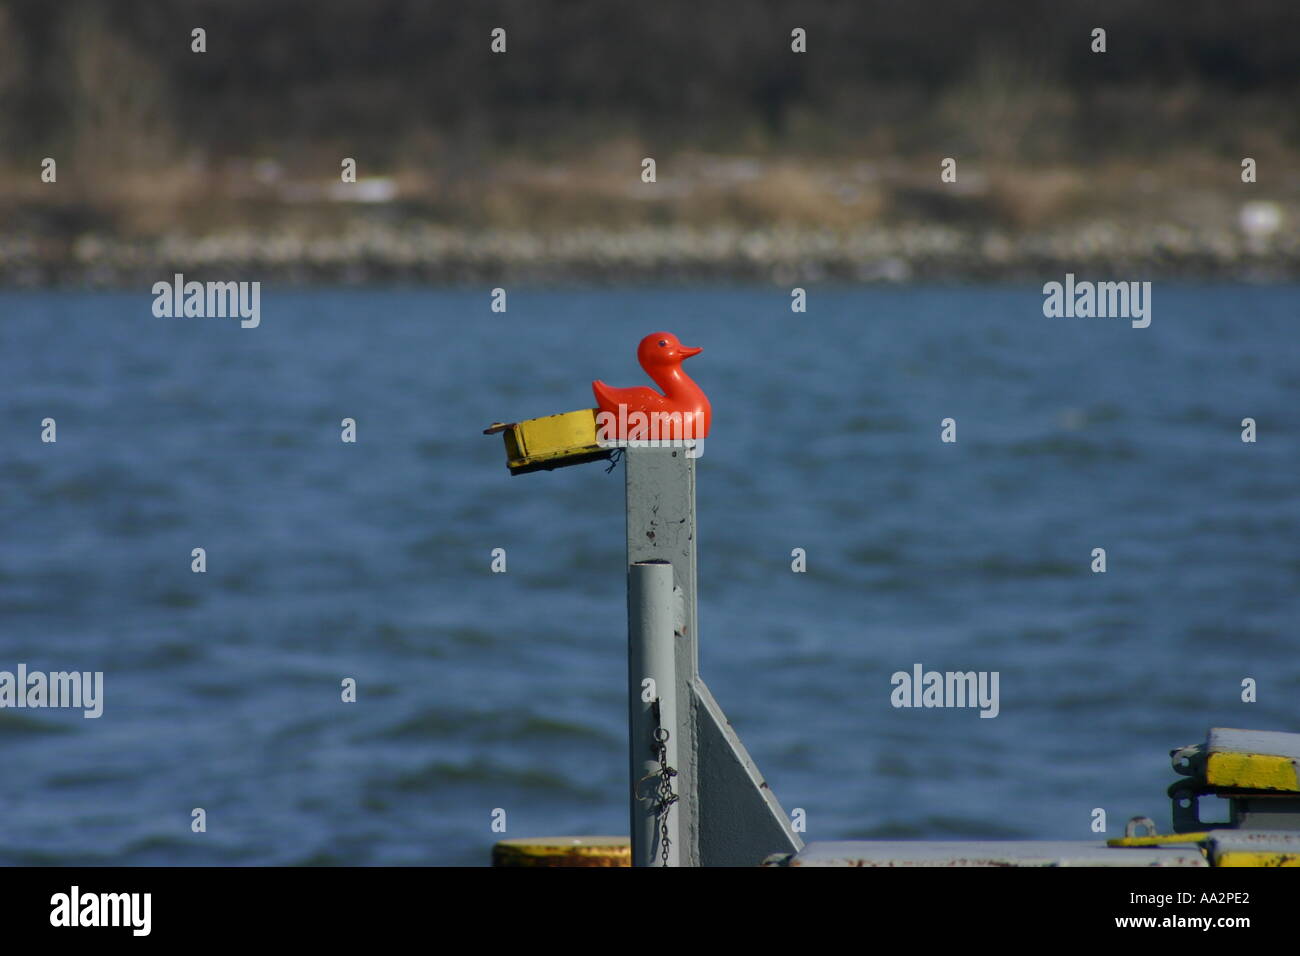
x,y
439,255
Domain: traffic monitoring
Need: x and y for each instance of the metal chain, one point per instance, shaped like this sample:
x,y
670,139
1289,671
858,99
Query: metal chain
x,y
664,787
664,790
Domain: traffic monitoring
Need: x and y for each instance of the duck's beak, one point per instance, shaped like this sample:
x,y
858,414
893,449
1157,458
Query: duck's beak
x,y
686,351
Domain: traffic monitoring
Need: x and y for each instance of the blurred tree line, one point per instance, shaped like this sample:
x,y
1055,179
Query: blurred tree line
x,y
414,80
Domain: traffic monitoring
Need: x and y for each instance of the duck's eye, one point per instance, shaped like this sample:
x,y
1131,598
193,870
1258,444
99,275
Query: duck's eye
x,y
663,343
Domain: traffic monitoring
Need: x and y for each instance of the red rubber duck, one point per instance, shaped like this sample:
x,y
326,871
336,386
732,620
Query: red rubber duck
x,y
661,355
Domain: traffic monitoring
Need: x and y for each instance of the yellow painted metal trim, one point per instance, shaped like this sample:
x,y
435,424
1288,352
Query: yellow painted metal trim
x,y
1251,772
563,851
1238,858
1159,839
1256,858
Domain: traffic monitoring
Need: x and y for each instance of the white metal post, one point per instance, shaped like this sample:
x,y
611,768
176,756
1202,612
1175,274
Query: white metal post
x,y
652,712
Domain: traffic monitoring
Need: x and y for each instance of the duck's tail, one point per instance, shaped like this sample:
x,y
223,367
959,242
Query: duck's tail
x,y
603,393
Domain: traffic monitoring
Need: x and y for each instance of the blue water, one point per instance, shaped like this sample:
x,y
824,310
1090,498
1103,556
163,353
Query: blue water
x,y
479,691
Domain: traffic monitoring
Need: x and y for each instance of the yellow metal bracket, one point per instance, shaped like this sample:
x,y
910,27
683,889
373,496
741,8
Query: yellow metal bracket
x,y
1247,771
597,851
556,441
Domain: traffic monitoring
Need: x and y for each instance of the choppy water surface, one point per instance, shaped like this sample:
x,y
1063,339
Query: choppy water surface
x,y
480,690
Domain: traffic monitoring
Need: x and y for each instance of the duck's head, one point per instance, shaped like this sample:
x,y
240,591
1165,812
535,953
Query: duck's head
x,y
659,349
